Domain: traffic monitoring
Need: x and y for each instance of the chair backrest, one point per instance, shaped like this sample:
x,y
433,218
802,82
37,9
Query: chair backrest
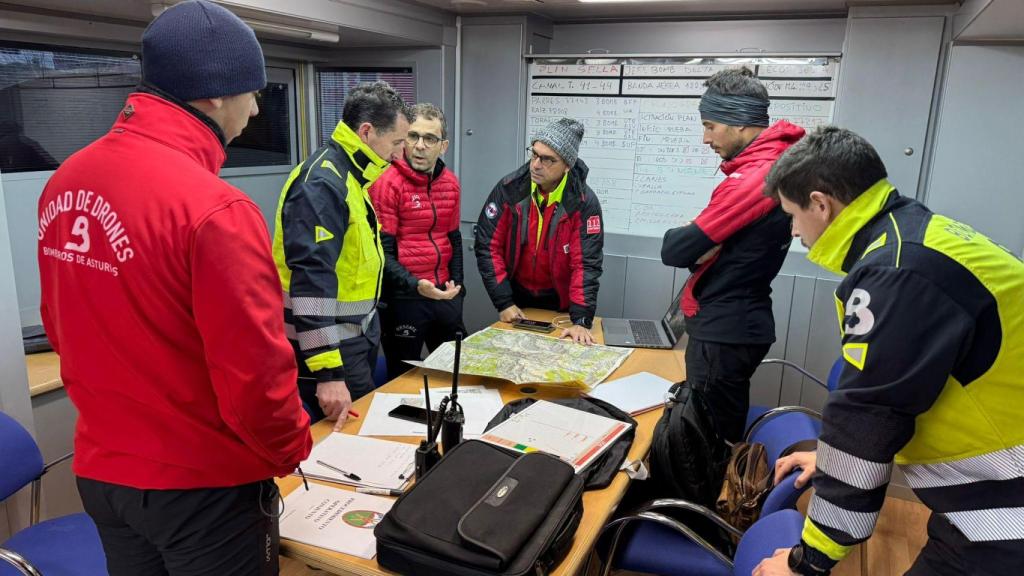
x,y
784,430
20,458
773,531
380,371
783,495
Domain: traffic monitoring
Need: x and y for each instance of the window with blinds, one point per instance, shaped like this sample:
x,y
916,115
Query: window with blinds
x,y
55,101
333,85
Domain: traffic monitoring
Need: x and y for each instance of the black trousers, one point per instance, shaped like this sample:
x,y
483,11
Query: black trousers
x,y
359,355
409,323
723,371
949,553
198,532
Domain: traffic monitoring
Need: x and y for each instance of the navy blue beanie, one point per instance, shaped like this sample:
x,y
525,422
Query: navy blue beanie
x,y
198,49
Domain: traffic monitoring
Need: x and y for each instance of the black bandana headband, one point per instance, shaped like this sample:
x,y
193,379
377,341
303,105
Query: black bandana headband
x,y
734,110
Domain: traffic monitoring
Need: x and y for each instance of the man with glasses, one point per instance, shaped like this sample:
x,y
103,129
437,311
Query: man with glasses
x,y
328,251
540,239
417,202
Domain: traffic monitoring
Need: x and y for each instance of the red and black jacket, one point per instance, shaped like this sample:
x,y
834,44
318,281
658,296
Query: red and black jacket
x,y
419,225
727,299
574,237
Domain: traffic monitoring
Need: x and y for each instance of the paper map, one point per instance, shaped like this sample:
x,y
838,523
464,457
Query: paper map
x,y
525,358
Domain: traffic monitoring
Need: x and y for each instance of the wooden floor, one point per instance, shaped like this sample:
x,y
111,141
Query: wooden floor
x,y
898,538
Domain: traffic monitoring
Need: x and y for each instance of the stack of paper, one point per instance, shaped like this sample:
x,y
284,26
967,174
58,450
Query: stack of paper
x,y
364,461
574,436
335,519
635,394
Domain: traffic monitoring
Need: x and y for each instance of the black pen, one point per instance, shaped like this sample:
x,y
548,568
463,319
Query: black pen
x,y
348,475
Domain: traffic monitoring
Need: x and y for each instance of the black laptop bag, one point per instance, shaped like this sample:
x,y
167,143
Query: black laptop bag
x,y
482,511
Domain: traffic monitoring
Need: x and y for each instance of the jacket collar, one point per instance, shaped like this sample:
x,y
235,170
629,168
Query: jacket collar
x,y
152,115
415,176
832,247
364,159
767,146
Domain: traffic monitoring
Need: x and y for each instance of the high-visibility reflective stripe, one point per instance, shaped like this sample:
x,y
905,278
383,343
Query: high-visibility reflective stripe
x,y
820,541
315,306
859,525
324,360
328,336
845,467
989,525
999,465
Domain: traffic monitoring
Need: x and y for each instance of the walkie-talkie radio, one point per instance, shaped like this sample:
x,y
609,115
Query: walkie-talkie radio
x,y
427,454
452,417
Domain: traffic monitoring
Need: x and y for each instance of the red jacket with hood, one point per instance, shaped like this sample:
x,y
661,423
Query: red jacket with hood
x,y
160,295
727,299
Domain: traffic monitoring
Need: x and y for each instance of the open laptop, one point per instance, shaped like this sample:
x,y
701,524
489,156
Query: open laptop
x,y
634,333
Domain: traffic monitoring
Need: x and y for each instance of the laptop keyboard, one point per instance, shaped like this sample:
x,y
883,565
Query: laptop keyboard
x,y
645,332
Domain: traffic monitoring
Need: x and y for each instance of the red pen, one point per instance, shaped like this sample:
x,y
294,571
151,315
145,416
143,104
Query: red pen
x,y
353,413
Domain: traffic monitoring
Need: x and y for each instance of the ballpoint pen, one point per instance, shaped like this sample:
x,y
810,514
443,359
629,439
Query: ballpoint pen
x,y
348,475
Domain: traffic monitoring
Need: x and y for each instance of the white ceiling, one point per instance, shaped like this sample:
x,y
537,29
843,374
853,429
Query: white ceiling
x,y
576,10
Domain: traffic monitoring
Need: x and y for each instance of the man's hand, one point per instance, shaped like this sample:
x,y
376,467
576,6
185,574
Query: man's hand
x,y
709,255
335,400
579,334
807,461
510,314
777,565
427,289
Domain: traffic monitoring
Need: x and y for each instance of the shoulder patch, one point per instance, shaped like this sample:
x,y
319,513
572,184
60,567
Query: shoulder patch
x,y
322,234
594,224
859,318
491,210
856,353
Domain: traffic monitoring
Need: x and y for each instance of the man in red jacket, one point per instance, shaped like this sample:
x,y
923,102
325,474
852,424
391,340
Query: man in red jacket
x,y
417,202
734,248
160,295
540,239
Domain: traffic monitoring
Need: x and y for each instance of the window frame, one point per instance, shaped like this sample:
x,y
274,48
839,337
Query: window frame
x,y
392,68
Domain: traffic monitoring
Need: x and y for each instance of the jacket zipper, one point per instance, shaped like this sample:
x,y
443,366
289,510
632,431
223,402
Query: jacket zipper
x,y
430,235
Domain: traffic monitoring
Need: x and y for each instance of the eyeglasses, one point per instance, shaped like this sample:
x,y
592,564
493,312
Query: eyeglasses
x,y
429,140
546,161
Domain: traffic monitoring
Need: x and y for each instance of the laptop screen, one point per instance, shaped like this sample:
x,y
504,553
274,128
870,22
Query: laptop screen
x,y
674,322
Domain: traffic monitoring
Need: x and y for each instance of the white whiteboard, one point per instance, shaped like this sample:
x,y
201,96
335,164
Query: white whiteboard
x,y
643,139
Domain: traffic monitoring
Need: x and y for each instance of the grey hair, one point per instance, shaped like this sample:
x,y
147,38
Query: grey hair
x,y
430,112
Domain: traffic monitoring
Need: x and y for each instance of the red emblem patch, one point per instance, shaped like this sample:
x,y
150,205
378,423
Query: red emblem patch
x,y
594,225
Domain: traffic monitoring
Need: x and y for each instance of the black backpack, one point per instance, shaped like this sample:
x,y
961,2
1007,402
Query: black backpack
x,y
688,457
599,473
482,511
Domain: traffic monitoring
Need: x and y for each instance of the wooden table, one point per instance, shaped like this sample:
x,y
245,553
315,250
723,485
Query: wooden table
x,y
598,505
43,372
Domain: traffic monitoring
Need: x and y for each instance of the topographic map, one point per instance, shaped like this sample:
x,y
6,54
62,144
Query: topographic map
x,y
524,358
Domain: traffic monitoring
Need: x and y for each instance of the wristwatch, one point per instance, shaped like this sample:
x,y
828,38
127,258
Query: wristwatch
x,y
799,564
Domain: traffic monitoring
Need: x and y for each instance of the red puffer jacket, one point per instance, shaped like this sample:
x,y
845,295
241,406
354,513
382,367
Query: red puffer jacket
x,y
419,224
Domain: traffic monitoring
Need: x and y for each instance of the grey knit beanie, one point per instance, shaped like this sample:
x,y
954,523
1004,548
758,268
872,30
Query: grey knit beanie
x,y
563,136
198,49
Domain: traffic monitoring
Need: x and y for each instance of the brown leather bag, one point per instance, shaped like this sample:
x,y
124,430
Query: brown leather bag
x,y
747,482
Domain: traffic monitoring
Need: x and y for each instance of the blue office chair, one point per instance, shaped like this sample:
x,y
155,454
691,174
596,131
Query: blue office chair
x,y
797,416
669,555
64,546
380,371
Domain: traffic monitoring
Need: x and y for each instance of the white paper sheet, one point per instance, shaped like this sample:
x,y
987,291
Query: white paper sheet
x,y
479,405
377,463
333,518
635,393
575,436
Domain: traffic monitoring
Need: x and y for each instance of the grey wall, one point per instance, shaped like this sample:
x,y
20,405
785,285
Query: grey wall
x,y
978,143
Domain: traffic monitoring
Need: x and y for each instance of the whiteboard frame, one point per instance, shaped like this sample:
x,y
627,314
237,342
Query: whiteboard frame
x,y
536,56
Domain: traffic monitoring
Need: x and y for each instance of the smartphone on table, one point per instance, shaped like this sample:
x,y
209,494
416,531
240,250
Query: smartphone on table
x,y
532,325
414,414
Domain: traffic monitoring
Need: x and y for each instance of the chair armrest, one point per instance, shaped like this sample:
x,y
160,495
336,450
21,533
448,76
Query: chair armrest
x,y
19,562
63,458
680,504
620,524
760,420
797,367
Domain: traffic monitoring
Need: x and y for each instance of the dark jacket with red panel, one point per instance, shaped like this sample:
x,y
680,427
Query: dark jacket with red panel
x,y
727,299
419,224
574,238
